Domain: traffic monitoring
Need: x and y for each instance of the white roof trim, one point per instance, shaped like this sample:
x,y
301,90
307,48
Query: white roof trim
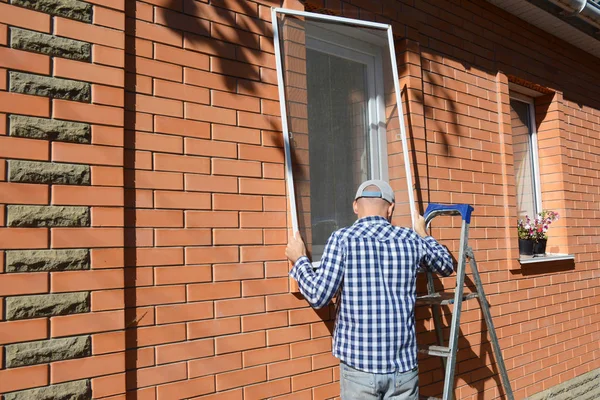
x,y
549,23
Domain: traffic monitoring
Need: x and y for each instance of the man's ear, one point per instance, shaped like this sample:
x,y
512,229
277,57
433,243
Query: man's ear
x,y
390,211
355,207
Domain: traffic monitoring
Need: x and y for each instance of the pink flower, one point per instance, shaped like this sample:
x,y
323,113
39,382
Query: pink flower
x,y
536,227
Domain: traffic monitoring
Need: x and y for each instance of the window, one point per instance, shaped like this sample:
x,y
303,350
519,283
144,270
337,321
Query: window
x,y
345,128
338,89
525,150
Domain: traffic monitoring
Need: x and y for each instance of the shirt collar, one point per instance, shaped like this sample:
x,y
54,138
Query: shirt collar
x,y
374,219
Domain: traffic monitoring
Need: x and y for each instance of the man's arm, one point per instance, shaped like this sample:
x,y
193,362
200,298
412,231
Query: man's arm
x,y
435,256
318,287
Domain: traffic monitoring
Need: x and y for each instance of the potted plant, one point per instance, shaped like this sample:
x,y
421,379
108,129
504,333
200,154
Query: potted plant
x,y
533,233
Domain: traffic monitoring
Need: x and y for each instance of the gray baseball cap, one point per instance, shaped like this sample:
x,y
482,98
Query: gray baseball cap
x,y
385,191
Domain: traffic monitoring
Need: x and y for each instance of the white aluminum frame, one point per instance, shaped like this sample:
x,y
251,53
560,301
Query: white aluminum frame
x,y
283,105
533,143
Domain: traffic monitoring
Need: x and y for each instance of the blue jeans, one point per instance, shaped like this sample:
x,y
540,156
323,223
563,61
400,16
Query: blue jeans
x,y
359,385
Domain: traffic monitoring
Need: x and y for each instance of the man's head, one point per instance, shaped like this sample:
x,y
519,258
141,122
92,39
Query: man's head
x,y
374,198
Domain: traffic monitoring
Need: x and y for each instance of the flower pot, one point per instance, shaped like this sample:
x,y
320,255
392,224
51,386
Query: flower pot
x,y
539,247
526,247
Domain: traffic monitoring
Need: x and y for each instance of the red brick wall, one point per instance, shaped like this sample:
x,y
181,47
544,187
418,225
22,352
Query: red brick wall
x,y
187,283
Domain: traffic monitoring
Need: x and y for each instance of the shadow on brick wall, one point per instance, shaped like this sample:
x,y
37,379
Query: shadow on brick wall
x,y
232,47
130,239
232,39
471,367
439,125
411,138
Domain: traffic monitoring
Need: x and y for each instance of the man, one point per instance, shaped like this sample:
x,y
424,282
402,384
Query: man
x,y
375,265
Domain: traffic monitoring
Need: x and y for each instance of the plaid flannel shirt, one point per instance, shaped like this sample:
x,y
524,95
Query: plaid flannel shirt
x,y
375,264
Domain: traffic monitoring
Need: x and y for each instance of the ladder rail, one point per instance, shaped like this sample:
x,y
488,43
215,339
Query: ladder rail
x,y
490,326
454,327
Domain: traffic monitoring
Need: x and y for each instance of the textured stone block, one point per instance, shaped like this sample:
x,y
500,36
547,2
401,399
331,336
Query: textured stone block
x,y
46,305
49,129
44,351
45,172
48,216
76,390
73,9
39,85
47,260
49,44
582,387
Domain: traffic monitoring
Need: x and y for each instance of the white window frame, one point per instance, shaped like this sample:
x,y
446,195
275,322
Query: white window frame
x,y
330,42
533,143
283,105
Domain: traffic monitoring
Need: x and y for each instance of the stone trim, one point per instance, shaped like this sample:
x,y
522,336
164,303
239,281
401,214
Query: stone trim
x,y
46,305
47,260
50,216
49,129
47,172
51,45
73,9
582,387
76,390
46,86
45,351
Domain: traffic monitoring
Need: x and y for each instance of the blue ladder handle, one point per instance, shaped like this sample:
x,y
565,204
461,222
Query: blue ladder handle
x,y
464,210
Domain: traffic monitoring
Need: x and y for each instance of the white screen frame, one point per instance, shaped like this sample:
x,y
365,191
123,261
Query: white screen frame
x,y
283,105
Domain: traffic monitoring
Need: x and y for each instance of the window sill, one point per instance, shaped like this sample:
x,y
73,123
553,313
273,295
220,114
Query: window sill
x,y
548,257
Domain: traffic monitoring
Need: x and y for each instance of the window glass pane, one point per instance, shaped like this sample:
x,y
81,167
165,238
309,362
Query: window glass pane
x,y
521,129
338,141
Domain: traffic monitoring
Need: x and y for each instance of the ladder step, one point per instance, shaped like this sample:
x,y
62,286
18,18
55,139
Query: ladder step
x,y
434,350
442,298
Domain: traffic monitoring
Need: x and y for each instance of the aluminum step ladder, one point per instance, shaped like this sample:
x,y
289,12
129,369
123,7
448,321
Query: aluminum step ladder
x,y
435,300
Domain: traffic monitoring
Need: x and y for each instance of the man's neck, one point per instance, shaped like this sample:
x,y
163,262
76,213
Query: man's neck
x,y
372,215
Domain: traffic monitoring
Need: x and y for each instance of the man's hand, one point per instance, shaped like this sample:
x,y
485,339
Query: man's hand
x,y
295,248
420,227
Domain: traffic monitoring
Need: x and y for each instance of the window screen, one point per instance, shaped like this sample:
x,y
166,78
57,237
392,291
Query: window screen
x,y
339,155
341,111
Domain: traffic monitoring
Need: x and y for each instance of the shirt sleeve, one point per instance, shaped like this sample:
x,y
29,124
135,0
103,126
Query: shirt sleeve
x,y
320,285
437,257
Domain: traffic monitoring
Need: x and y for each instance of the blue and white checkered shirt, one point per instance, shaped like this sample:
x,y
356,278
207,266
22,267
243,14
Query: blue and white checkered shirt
x,y
375,263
